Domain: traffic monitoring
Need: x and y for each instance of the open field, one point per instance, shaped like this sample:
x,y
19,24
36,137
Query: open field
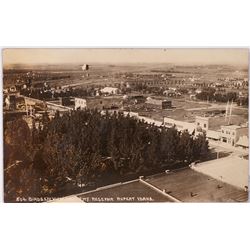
x,y
188,110
186,104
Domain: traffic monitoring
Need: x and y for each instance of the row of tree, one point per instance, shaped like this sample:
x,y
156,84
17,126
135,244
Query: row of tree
x,y
209,94
84,146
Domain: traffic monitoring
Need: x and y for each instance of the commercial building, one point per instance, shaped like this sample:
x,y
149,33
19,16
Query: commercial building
x,y
202,123
230,134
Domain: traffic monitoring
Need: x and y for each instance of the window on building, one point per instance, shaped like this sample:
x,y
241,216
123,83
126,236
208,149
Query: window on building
x,y
222,131
224,139
205,125
198,123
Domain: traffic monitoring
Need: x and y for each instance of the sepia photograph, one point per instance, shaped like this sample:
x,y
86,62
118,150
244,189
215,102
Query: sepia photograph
x,y
120,125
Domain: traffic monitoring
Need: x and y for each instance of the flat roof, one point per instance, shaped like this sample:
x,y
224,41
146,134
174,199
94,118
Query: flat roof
x,y
185,185
188,185
134,191
232,170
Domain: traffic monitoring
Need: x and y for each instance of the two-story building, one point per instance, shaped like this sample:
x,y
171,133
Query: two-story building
x,y
202,123
230,134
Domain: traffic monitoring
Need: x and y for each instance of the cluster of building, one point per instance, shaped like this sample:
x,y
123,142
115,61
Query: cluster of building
x,y
226,131
229,134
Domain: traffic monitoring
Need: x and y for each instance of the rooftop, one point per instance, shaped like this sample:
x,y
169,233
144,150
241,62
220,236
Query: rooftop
x,y
134,191
188,185
232,170
109,89
202,184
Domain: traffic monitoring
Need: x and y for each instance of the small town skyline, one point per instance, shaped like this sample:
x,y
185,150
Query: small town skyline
x,y
111,132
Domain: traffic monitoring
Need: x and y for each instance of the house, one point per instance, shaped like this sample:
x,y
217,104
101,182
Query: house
x,y
80,103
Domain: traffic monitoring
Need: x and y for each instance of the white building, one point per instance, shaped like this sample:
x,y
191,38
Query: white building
x,y
201,123
80,103
198,91
110,90
230,134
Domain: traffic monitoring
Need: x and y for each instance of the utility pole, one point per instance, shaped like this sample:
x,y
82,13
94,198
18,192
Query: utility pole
x,y
226,115
230,113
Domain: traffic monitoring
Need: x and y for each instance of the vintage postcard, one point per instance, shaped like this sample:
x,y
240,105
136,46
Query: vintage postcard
x,y
125,125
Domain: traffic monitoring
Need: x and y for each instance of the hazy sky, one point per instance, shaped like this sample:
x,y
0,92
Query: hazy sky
x,y
80,56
